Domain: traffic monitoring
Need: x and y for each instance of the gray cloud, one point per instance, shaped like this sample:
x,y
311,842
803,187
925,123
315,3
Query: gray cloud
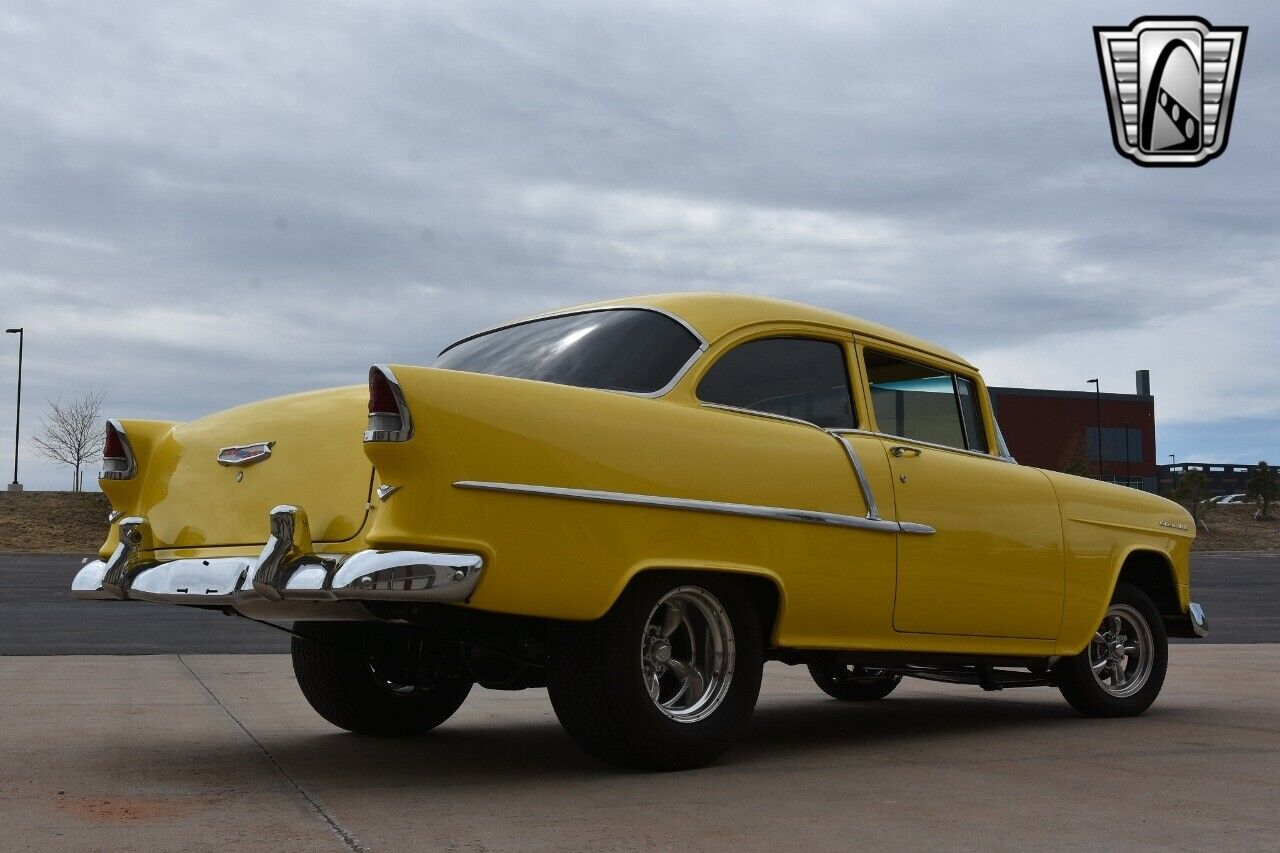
x,y
210,203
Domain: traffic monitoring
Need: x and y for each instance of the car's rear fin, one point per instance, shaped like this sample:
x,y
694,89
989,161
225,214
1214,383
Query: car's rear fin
x,y
389,418
118,460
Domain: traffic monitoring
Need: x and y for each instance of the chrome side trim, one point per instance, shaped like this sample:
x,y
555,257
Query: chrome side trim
x,y
130,461
406,422
916,528
407,576
873,511
1199,624
864,483
703,345
747,510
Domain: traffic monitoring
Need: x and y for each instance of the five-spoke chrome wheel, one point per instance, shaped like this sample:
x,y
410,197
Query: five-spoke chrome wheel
x,y
687,654
1121,653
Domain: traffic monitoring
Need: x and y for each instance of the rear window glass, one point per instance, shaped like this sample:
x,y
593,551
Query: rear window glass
x,y
620,349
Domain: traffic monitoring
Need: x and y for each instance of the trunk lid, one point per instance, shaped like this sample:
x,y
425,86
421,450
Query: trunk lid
x,y
316,462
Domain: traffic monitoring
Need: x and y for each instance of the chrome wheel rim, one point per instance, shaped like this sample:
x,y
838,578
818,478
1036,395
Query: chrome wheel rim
x,y
687,654
1122,652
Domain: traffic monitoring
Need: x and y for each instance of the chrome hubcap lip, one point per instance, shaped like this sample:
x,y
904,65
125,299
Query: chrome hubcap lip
x,y
1122,652
687,654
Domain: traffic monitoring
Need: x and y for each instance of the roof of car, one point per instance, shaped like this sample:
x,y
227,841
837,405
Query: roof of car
x,y
714,315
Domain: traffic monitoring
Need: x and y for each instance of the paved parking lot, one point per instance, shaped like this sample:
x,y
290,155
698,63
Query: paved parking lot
x,y
218,751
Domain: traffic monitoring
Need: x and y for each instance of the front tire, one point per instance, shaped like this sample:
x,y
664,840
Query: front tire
x,y
1121,671
853,683
666,679
375,679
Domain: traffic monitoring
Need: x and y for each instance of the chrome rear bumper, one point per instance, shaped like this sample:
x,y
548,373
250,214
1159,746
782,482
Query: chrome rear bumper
x,y
284,580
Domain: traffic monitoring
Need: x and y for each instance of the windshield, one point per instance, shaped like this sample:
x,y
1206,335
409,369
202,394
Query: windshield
x,y
617,349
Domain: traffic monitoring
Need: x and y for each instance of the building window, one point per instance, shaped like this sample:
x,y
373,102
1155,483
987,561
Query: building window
x,y
1133,482
1113,441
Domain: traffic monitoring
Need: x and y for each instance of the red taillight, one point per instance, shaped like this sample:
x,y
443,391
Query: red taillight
x,y
388,415
382,398
117,455
113,447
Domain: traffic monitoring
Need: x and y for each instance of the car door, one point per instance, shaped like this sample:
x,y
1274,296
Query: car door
x,y
843,595
993,565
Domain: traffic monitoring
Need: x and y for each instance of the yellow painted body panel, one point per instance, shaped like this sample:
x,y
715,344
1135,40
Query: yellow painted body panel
x,y
1103,525
192,501
995,566
1023,561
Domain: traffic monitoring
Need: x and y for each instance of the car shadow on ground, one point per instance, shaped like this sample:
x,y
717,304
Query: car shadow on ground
x,y
790,730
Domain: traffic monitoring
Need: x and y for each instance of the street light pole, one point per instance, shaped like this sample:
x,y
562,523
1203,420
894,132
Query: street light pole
x,y
1097,386
17,418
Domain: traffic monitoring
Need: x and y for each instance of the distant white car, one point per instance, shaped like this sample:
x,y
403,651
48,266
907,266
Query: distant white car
x,y
1227,500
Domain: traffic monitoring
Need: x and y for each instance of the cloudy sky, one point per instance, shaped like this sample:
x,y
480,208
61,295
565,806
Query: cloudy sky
x,y
207,203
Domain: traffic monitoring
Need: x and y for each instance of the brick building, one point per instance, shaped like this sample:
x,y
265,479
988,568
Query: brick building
x,y
1056,429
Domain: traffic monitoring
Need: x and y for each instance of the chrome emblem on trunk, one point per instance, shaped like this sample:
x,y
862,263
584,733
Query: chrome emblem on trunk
x,y
245,454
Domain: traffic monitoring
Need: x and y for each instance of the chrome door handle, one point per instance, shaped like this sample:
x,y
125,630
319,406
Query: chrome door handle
x,y
900,451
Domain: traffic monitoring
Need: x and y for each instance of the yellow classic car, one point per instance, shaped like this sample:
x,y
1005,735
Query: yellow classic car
x,y
636,504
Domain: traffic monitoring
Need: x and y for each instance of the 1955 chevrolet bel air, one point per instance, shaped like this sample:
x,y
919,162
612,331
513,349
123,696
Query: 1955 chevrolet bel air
x,y
636,504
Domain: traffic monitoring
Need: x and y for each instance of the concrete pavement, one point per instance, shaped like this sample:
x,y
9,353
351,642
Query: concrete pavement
x,y
221,751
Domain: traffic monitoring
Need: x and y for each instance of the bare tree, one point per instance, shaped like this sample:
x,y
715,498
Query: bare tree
x,y
72,433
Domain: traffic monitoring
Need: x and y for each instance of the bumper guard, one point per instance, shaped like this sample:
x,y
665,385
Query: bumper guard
x,y
287,573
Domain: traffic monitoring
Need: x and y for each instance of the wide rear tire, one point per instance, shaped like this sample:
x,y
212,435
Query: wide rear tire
x,y
666,679
375,679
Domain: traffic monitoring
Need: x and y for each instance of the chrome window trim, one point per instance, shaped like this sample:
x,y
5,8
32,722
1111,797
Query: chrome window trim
x,y
406,422
934,445
703,345
131,465
719,507
573,312
741,411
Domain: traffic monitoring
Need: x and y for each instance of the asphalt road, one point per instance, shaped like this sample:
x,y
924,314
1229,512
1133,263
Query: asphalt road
x,y
38,616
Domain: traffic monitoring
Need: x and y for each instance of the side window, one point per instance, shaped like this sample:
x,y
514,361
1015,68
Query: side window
x,y
797,377
915,401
